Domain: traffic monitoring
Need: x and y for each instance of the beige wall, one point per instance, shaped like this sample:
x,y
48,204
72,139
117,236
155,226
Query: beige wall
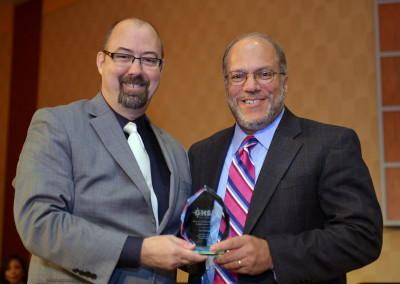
x,y
329,47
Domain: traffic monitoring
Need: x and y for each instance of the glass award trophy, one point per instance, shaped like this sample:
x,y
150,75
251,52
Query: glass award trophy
x,y
201,218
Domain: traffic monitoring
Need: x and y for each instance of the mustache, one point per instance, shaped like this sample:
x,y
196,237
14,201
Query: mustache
x,y
137,80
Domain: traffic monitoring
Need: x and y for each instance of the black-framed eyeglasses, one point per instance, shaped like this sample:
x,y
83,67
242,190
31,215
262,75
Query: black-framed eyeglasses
x,y
262,76
126,60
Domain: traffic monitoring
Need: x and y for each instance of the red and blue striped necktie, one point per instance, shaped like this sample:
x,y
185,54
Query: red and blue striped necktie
x,y
238,194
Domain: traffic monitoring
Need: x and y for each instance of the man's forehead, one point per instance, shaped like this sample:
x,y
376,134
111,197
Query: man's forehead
x,y
128,32
252,44
130,26
252,52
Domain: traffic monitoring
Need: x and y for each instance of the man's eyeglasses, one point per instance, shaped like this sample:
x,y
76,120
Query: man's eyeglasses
x,y
262,76
126,60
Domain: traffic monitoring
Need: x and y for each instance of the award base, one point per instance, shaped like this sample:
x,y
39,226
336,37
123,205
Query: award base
x,y
206,251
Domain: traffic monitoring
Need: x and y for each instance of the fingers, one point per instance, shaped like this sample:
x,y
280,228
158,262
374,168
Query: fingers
x,y
230,260
168,252
228,244
246,255
183,243
187,255
237,266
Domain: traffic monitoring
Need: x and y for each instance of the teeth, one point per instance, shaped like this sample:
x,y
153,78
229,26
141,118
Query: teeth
x,y
133,86
251,101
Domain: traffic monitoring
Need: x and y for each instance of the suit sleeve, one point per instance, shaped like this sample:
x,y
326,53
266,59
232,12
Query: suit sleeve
x,y
45,200
351,234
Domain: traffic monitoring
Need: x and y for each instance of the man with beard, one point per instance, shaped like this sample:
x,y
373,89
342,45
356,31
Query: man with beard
x,y
302,205
83,206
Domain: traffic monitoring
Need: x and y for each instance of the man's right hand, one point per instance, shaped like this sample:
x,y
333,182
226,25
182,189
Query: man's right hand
x,y
168,252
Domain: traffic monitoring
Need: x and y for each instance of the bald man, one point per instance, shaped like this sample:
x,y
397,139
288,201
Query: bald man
x,y
83,207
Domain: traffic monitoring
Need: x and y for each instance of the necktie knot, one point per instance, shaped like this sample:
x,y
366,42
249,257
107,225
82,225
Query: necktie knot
x,y
130,128
249,141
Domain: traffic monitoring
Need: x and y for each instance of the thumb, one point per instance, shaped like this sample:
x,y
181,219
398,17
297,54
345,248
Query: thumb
x,y
185,244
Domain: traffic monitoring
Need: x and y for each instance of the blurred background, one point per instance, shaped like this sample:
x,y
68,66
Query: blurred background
x,y
344,68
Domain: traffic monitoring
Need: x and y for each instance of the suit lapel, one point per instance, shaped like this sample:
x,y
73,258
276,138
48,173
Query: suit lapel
x,y
174,178
216,156
107,127
280,155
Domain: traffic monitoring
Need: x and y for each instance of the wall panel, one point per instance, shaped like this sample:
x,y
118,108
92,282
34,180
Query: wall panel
x,y
388,76
388,79
22,104
5,74
389,23
390,69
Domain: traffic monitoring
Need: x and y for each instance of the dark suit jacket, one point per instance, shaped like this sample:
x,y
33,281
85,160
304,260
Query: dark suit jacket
x,y
314,201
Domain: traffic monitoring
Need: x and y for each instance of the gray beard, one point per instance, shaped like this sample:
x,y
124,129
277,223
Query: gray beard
x,y
133,100
275,107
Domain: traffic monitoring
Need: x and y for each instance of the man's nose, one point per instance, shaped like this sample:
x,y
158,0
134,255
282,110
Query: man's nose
x,y
251,84
136,67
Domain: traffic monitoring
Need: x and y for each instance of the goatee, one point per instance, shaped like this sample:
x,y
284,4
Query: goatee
x,y
133,99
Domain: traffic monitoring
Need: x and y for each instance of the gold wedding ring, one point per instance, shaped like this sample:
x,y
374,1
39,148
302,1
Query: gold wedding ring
x,y
240,262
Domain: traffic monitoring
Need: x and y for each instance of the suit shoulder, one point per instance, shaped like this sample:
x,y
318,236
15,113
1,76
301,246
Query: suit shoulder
x,y
309,125
327,134
64,110
67,118
218,137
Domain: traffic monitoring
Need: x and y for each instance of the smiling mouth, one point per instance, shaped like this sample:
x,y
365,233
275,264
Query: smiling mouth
x,y
137,82
251,101
134,85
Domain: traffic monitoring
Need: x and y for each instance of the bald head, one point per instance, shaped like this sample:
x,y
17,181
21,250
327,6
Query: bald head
x,y
139,23
280,53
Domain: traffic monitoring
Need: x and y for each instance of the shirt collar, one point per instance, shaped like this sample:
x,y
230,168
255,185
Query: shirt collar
x,y
264,136
140,122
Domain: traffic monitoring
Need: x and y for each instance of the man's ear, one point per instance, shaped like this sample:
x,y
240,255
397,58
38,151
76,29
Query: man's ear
x,y
285,83
100,61
162,66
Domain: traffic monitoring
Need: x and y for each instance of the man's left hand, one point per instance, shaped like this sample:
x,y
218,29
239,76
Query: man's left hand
x,y
245,254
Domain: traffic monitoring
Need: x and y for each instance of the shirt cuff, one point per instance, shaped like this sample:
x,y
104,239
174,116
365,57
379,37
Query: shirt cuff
x,y
130,255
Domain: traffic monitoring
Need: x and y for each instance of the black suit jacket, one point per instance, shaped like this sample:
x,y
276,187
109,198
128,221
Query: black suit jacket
x,y
314,201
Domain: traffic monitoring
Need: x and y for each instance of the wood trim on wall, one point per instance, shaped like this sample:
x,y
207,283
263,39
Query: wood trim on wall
x,y
387,24
23,98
